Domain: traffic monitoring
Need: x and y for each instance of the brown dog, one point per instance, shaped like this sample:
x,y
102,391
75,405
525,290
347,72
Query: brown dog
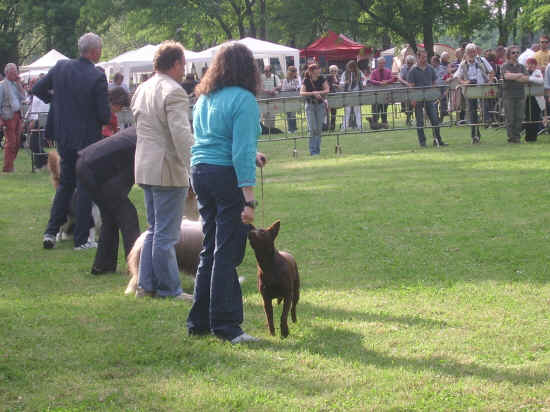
x,y
277,275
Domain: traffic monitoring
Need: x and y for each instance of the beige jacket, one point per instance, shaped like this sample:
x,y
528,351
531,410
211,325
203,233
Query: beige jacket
x,y
160,107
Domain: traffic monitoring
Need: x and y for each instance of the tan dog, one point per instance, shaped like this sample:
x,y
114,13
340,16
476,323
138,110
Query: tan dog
x,y
188,247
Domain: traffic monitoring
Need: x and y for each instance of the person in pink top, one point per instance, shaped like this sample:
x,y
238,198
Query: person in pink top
x,y
381,76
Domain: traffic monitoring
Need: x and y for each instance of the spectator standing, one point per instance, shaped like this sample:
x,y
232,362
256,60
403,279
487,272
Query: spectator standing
x,y
271,85
189,84
37,109
543,55
472,71
500,53
442,74
423,75
528,53
381,76
106,169
226,122
118,81
513,93
535,105
333,84
352,80
78,111
315,89
118,98
12,96
291,84
407,106
160,107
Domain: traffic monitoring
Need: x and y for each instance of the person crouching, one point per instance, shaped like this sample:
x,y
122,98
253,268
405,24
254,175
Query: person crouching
x,y
106,170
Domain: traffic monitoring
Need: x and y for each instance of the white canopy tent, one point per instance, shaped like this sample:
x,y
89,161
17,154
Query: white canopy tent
x,y
261,49
139,61
43,64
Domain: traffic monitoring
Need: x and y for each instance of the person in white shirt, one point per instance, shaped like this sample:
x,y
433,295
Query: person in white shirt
x,y
534,105
271,85
118,82
291,84
528,53
473,71
352,80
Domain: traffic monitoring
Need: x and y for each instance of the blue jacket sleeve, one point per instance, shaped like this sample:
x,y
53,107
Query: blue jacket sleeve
x,y
42,88
246,128
101,100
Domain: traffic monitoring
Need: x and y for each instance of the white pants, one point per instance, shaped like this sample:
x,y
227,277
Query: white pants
x,y
347,113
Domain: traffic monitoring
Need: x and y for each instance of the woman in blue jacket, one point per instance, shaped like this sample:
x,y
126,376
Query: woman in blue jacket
x,y
226,122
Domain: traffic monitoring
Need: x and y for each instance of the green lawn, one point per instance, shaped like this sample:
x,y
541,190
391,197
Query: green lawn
x,y
425,286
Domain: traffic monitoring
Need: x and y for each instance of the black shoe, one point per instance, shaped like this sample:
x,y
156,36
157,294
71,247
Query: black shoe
x,y
48,241
439,143
98,271
475,140
422,144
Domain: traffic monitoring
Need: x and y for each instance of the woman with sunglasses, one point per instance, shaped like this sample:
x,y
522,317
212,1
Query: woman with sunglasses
x,y
513,93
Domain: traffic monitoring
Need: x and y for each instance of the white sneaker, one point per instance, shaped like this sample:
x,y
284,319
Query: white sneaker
x,y
86,246
244,337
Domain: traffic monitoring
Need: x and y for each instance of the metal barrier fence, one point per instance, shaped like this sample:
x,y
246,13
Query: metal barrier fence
x,y
284,119
456,105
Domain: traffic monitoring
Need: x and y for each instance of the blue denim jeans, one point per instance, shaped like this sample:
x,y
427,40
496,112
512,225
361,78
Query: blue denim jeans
x,y
158,267
432,115
315,113
217,301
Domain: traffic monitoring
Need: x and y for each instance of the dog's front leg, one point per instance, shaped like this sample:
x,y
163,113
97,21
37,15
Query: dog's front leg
x,y
284,317
268,308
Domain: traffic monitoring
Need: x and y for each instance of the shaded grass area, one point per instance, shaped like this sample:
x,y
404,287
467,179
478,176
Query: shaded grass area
x,y
425,287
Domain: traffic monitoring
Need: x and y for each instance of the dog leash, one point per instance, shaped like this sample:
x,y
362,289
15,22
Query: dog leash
x,y
262,189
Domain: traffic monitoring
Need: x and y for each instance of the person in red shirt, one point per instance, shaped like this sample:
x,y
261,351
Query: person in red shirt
x,y
381,77
118,99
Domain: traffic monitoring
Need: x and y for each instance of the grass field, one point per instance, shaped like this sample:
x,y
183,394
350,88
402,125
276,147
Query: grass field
x,y
425,287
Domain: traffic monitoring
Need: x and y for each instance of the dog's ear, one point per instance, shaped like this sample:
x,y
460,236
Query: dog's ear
x,y
274,229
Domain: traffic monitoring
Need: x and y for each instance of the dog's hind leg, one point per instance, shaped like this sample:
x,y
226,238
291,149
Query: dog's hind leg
x,y
268,308
284,316
295,297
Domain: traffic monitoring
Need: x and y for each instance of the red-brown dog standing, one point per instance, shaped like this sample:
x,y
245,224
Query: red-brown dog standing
x,y
277,275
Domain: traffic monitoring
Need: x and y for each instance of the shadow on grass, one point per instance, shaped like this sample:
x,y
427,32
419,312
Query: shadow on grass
x,y
354,315
350,347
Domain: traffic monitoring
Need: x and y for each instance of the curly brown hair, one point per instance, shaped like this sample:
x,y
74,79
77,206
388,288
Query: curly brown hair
x,y
233,65
168,53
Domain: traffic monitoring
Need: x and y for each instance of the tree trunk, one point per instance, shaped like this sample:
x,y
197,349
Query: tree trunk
x,y
263,20
252,32
427,28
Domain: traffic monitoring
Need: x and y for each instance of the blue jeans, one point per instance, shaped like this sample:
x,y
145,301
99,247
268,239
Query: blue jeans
x,y
158,267
315,113
217,301
432,115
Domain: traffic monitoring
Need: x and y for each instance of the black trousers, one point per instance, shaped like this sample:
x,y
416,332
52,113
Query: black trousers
x,y
63,198
117,213
532,114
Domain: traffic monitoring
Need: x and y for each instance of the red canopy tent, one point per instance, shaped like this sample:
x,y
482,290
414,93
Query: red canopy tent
x,y
335,47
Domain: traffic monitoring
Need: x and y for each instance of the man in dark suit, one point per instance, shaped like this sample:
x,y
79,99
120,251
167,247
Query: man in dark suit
x,y
106,170
78,95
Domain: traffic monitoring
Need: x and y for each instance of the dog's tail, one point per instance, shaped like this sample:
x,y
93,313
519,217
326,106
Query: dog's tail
x,y
54,167
132,262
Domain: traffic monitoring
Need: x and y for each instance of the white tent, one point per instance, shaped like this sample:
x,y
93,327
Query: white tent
x,y
261,49
44,63
139,61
